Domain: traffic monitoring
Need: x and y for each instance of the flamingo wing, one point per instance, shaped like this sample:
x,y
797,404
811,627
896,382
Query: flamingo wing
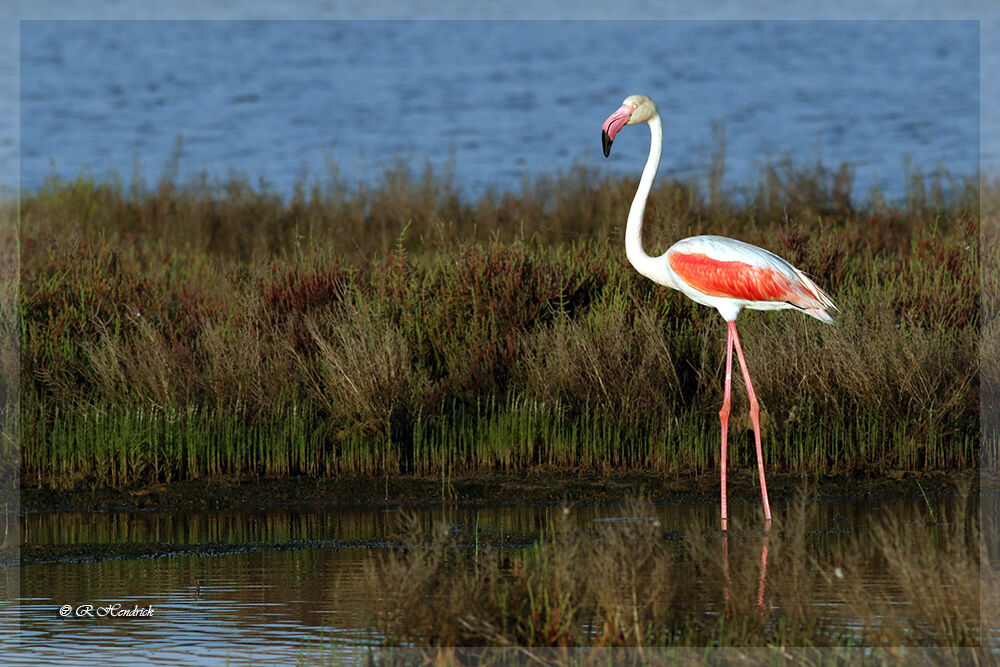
x,y
721,267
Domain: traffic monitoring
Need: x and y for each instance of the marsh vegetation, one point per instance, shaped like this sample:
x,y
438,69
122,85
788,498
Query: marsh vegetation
x,y
215,328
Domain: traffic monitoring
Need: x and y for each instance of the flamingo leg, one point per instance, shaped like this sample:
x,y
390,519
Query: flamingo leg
x,y
724,417
754,418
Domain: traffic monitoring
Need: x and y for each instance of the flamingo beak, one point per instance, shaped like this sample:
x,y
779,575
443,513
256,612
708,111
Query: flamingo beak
x,y
613,124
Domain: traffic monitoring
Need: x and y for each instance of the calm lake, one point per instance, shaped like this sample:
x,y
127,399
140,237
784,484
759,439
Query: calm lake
x,y
286,585
496,102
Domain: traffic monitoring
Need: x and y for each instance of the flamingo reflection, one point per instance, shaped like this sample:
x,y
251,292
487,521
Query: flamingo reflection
x,y
761,580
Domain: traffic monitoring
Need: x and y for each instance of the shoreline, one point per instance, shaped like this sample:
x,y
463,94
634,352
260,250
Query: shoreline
x,y
481,490
531,487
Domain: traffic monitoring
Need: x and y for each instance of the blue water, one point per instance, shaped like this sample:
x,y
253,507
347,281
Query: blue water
x,y
498,102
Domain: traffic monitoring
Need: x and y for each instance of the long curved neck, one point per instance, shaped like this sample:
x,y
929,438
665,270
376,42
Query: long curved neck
x,y
643,263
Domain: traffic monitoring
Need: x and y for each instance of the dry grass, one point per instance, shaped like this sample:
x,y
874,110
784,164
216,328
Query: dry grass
x,y
363,370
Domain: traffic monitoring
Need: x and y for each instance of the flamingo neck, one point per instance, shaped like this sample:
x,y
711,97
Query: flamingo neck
x,y
643,263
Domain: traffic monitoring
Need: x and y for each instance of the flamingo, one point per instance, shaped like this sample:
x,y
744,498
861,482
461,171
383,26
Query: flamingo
x,y
715,271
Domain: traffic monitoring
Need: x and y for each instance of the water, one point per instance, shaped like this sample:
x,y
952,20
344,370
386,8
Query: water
x,y
496,101
279,586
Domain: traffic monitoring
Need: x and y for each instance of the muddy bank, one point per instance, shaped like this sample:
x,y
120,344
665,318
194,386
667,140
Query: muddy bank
x,y
532,487
504,489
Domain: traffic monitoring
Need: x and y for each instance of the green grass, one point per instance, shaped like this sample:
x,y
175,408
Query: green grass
x,y
207,329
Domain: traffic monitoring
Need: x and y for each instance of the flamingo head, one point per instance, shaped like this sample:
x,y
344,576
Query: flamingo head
x,y
635,109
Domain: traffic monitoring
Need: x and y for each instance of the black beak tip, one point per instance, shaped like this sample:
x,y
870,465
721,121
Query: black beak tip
x,y
606,142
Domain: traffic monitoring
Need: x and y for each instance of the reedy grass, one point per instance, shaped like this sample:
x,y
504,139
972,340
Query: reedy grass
x,y
10,348
990,336
214,328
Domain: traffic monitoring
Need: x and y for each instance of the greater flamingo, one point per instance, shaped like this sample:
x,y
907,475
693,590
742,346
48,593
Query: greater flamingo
x,y
715,271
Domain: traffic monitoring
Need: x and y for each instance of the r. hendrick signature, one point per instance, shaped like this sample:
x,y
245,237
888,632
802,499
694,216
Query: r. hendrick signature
x,y
114,610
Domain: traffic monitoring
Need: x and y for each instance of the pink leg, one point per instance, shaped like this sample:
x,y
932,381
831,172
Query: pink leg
x,y
754,418
724,417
